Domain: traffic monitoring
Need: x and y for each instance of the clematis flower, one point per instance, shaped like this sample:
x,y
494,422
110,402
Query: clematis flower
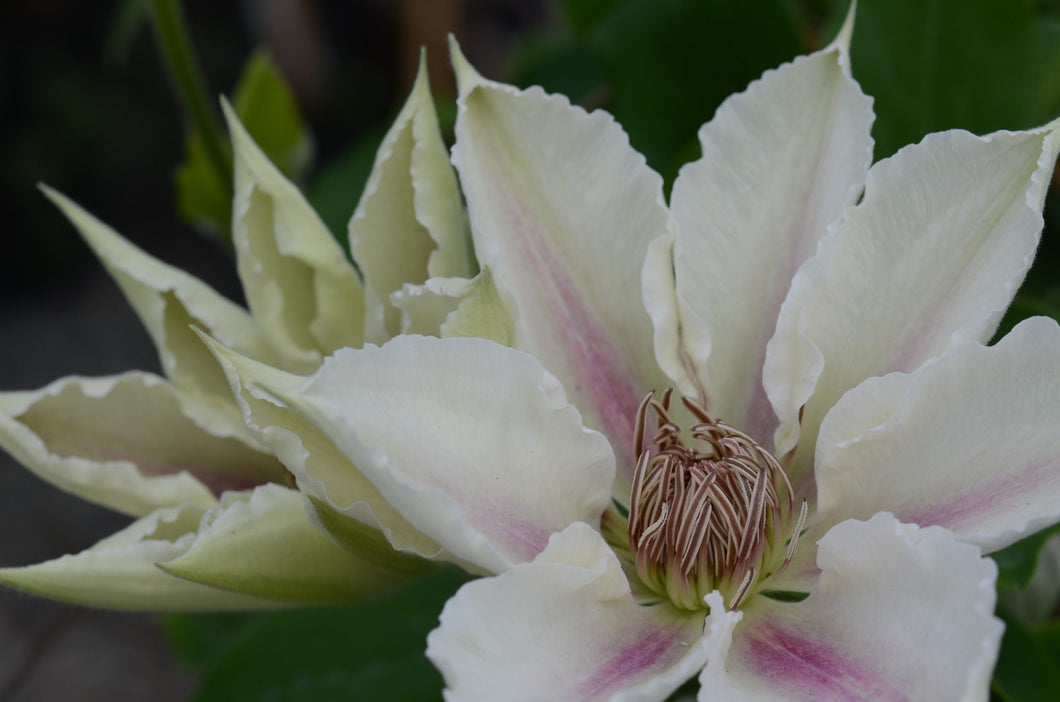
x,y
803,513
220,524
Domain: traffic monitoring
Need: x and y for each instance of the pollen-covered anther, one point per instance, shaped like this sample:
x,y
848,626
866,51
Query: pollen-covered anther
x,y
715,513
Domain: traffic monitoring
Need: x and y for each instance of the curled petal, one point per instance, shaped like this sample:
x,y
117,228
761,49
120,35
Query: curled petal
x,y
263,544
306,297
473,443
930,257
980,458
120,572
899,613
780,163
410,222
348,505
562,210
126,442
168,302
564,627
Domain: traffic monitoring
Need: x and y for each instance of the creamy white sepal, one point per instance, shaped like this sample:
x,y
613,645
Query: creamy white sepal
x,y
564,627
562,211
169,302
349,506
121,572
299,286
263,543
930,257
899,613
126,442
473,443
410,222
780,163
967,442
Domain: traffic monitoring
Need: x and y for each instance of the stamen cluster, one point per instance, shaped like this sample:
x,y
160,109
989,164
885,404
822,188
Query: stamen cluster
x,y
713,515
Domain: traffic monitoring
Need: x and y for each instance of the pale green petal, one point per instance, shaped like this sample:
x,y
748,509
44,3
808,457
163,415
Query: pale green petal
x,y
299,286
455,307
120,572
323,472
425,307
780,162
168,302
562,210
410,223
263,544
126,442
930,257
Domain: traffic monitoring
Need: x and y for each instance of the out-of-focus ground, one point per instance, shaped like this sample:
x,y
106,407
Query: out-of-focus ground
x,y
97,121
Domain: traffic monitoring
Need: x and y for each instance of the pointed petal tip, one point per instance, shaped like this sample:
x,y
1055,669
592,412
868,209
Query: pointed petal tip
x,y
466,75
846,32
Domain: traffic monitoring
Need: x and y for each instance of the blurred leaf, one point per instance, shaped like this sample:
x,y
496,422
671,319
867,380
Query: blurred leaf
x,y
372,651
583,15
670,63
1049,639
1016,564
198,638
1025,670
129,17
981,65
204,197
267,108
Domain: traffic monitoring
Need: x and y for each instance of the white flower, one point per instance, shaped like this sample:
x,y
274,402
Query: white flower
x,y
835,313
220,525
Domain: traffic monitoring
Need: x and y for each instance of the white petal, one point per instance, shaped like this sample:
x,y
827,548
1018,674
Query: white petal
x,y
120,572
563,627
126,442
899,613
168,302
967,442
348,505
410,221
562,211
306,297
780,163
930,257
263,544
472,442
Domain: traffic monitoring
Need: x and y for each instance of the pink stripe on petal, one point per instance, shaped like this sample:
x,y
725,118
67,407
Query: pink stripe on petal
x,y
808,669
593,370
653,652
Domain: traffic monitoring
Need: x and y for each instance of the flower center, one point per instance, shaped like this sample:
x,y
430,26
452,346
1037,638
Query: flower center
x,y
717,513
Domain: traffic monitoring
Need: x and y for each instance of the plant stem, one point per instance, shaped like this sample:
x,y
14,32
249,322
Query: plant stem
x,y
172,33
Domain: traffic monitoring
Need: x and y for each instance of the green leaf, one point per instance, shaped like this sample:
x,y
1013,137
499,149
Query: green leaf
x,y
267,108
1017,563
981,65
198,638
371,652
1025,670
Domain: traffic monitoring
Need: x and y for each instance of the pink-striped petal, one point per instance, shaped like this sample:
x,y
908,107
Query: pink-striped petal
x,y
564,627
967,442
930,257
899,614
562,211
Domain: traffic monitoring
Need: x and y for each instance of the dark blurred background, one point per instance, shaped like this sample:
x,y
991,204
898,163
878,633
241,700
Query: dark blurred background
x,y
86,107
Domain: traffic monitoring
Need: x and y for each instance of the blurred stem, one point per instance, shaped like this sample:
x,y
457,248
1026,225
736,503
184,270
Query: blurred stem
x,y
175,44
